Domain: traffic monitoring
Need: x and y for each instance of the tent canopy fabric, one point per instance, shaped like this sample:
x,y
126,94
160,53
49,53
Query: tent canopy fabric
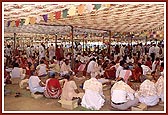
x,y
134,17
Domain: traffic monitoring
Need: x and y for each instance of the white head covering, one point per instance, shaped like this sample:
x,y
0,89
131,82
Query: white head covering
x,y
94,74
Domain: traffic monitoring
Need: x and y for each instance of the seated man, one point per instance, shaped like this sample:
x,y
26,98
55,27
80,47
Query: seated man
x,y
17,72
35,84
147,93
160,87
93,97
53,88
69,90
65,68
42,69
122,95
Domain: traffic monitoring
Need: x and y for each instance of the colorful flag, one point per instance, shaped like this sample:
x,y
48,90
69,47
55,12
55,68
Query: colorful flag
x,y
97,6
27,21
81,9
17,22
45,17
58,15
65,12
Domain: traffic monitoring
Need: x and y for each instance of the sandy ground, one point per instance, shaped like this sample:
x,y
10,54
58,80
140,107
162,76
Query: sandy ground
x,y
27,103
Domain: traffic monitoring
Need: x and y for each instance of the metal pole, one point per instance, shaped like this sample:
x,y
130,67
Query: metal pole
x,y
72,58
14,41
109,41
55,41
83,43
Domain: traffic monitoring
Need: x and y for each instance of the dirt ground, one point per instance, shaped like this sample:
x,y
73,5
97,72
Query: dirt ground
x,y
27,103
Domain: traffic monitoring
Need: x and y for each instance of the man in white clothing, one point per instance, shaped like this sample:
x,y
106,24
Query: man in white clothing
x,y
42,69
160,87
35,84
122,95
157,49
51,51
147,93
92,66
41,51
119,68
93,97
65,68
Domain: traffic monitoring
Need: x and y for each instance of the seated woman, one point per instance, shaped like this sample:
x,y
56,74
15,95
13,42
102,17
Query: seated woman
x,y
110,71
69,90
53,88
137,71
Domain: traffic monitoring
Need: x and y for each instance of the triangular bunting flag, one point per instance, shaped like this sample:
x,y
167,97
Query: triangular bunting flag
x,y
27,21
17,22
38,19
58,15
9,23
65,12
72,11
51,16
89,7
22,22
12,24
81,9
45,17
97,6
32,20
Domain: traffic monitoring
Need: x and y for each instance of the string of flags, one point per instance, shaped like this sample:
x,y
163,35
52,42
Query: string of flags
x,y
73,10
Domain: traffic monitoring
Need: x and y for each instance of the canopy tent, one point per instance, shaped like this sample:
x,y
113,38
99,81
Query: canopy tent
x,y
87,19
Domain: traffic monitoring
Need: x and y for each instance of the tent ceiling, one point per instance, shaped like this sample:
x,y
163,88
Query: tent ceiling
x,y
117,17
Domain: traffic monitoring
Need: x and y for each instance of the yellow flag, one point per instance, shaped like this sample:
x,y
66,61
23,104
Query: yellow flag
x,y
12,23
51,16
27,21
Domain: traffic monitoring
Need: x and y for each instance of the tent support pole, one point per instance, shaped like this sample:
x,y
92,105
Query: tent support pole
x,y
55,41
109,41
72,57
14,41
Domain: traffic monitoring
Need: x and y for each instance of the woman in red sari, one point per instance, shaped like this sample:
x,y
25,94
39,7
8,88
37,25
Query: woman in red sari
x,y
137,72
53,88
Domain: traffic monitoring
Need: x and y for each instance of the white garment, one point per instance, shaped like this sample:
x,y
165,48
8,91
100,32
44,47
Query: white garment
x,y
92,67
130,60
118,71
65,69
41,69
34,84
151,50
154,65
123,72
41,52
148,93
157,49
93,97
121,92
160,87
17,72
146,69
51,52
